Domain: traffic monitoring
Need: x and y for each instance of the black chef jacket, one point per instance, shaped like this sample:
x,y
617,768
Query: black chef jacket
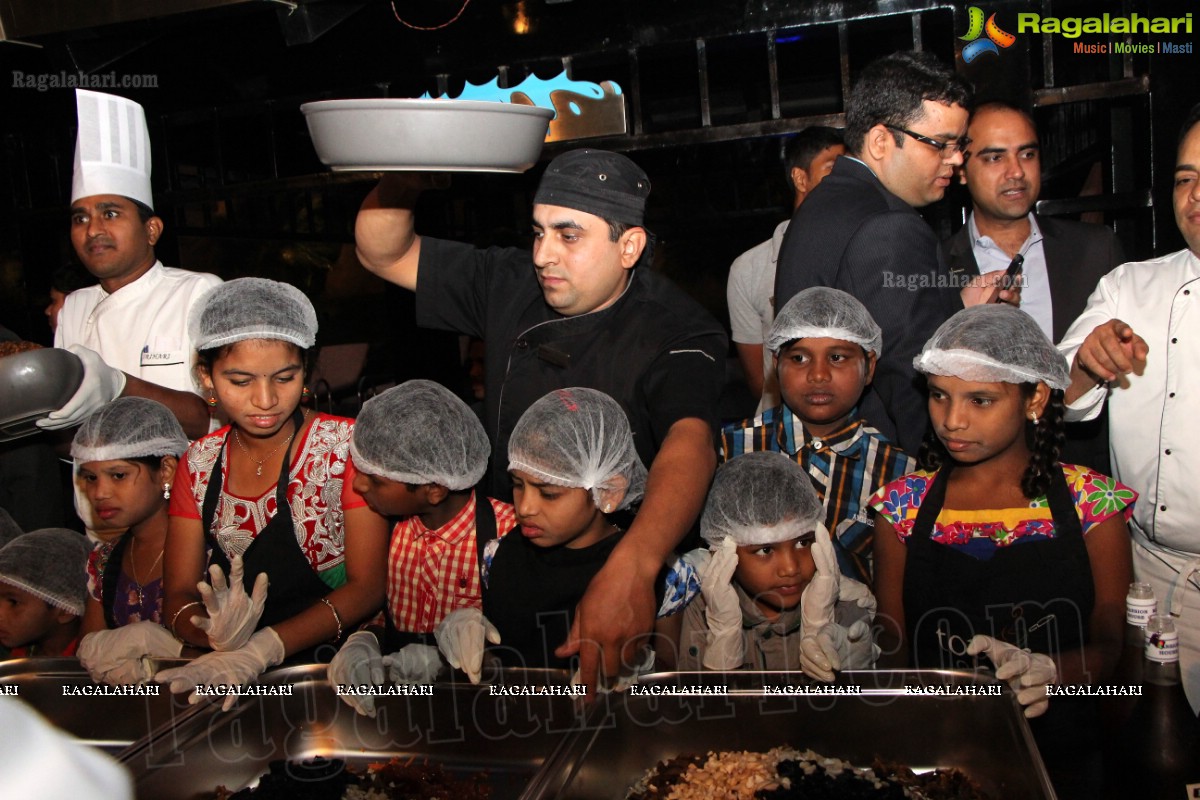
x,y
656,351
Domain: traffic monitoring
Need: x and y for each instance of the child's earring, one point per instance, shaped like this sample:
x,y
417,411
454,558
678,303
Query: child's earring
x,y
607,508
304,393
1034,419
166,491
212,401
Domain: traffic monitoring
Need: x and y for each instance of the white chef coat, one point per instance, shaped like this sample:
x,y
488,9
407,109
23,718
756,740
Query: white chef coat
x,y
1154,438
142,328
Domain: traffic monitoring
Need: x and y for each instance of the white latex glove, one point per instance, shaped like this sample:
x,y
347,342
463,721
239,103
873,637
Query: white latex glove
x,y
820,597
116,656
414,664
100,386
230,668
232,615
859,593
460,636
1027,673
725,648
358,662
835,647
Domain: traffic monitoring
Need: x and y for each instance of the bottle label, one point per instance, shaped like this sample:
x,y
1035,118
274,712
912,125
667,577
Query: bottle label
x,y
1139,609
1163,646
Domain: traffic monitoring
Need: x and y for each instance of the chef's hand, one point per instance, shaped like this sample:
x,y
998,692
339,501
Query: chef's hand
x,y
100,386
232,615
460,636
358,662
116,656
414,664
1110,351
1027,673
724,649
231,668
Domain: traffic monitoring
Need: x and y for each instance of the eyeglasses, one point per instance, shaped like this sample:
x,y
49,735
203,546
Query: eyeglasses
x,y
949,148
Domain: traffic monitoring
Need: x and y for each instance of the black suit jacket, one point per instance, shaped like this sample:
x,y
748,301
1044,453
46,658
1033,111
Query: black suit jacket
x,y
1078,255
853,234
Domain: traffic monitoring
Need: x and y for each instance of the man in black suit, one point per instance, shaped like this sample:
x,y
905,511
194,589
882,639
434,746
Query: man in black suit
x,y
1063,259
906,124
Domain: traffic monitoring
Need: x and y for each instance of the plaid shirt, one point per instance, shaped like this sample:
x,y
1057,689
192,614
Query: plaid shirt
x,y
846,468
431,573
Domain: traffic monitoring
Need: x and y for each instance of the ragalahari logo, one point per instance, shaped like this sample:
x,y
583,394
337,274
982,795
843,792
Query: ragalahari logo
x,y
976,27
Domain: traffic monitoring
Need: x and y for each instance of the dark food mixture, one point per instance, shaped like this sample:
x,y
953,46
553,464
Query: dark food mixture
x,y
331,779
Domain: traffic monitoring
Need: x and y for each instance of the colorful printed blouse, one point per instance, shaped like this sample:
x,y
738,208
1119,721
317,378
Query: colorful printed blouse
x,y
320,489
129,605
979,532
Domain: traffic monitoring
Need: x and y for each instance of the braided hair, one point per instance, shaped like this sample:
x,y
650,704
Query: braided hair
x,y
1045,441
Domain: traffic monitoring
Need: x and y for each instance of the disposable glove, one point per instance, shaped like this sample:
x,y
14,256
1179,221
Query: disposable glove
x,y
232,615
100,386
725,649
460,636
857,592
358,662
116,656
230,668
414,664
1027,673
835,647
820,597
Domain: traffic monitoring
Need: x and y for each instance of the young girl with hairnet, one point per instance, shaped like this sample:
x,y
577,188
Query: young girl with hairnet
x,y
771,594
127,454
294,555
42,592
994,547
573,464
419,451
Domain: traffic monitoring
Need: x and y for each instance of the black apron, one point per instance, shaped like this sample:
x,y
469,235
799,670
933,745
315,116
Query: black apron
x,y
1037,595
294,585
485,531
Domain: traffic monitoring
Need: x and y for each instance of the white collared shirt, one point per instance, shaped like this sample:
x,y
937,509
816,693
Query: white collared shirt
x,y
1155,438
1035,284
141,329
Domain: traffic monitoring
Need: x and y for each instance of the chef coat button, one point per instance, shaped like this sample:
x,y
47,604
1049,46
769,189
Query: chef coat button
x,y
1168,451
1162,508
522,343
1172,394
1174,340
1186,292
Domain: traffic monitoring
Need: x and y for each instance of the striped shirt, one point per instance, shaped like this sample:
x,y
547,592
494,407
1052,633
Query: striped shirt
x,y
847,468
431,573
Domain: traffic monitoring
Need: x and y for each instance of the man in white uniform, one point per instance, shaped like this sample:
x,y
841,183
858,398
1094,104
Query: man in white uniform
x,y
1138,345
808,158
130,331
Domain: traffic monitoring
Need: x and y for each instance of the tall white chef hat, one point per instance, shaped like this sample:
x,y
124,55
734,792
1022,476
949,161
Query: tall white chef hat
x,y
112,149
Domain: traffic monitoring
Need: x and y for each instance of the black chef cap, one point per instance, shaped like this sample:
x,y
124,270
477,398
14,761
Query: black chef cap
x,y
599,182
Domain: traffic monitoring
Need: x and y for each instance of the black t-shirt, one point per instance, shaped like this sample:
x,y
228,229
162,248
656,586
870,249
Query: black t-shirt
x,y
655,350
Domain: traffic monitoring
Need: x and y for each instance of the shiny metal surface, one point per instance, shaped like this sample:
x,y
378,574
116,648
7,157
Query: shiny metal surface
x,y
985,736
439,135
32,384
461,727
118,725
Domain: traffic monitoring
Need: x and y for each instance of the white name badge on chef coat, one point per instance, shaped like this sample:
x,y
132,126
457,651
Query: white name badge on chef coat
x,y
162,352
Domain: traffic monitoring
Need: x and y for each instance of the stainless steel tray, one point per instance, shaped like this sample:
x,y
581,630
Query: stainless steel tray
x,y
463,728
118,725
985,736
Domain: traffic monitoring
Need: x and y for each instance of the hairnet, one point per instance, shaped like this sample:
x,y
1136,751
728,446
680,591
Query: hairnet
x,y
129,427
579,438
50,564
994,343
420,432
821,312
252,308
761,498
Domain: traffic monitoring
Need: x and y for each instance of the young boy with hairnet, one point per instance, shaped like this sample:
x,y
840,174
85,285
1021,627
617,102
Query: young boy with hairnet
x,y
43,588
419,451
771,595
825,345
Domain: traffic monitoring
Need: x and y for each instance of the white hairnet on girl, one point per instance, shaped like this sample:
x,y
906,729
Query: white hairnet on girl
x,y
820,312
129,427
579,438
761,498
252,308
420,432
50,564
994,343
